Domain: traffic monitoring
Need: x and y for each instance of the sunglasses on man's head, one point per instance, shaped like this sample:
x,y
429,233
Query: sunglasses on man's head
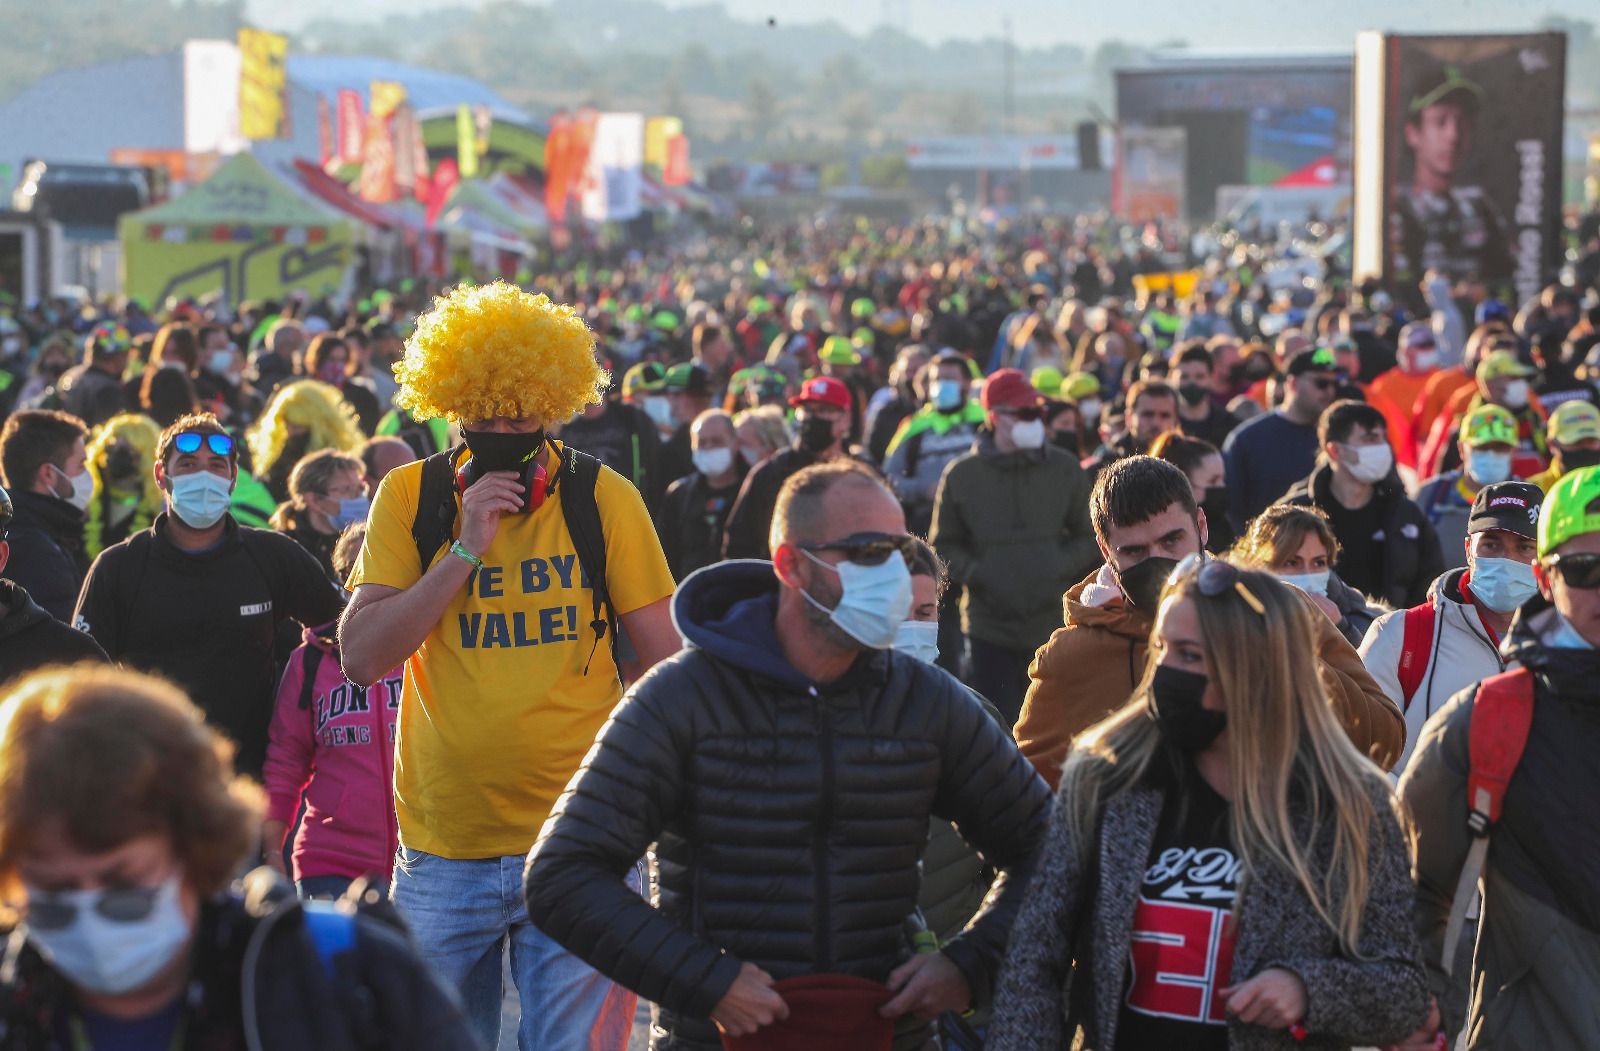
x,y
868,549
1025,415
53,912
190,442
1581,571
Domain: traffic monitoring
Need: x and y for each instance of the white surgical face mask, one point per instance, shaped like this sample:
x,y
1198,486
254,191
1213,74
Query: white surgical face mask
x,y
659,409
200,499
1488,467
1310,583
1425,361
82,488
712,462
919,639
106,956
1517,394
1028,434
876,600
221,362
1370,463
1089,409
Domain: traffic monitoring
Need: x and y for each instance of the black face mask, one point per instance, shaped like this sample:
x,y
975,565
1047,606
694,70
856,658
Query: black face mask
x,y
1183,723
816,434
1193,393
494,451
1573,459
1142,584
1067,440
122,463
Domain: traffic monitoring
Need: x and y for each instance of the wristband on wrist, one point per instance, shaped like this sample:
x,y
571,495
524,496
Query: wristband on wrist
x,y
466,556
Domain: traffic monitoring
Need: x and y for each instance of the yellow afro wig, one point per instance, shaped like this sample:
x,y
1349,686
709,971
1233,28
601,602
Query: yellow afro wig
x,y
140,434
312,405
495,350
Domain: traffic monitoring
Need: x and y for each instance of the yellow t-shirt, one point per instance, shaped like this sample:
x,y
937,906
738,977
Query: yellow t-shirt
x,y
497,713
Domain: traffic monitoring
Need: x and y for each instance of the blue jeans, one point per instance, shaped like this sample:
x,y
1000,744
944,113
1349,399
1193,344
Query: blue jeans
x,y
322,886
461,914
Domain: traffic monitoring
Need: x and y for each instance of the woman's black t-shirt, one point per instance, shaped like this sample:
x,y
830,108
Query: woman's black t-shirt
x,y
1181,954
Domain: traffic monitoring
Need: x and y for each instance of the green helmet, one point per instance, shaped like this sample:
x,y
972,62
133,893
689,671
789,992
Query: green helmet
x,y
837,350
863,308
1571,509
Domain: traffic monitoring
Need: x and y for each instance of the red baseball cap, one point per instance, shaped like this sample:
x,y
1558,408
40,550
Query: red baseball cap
x,y
1009,389
825,390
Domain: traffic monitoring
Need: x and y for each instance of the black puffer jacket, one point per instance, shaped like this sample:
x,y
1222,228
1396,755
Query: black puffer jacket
x,y
788,816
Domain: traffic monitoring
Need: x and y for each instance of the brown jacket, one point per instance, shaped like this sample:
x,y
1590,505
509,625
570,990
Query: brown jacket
x,y
1089,668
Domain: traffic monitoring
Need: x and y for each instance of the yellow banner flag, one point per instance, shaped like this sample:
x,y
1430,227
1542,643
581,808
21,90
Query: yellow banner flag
x,y
262,80
658,133
466,143
387,95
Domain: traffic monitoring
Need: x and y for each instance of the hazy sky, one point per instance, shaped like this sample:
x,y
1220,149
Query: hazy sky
x,y
1212,24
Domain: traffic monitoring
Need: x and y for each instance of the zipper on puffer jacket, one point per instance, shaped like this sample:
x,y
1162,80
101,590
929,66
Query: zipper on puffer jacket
x,y
823,949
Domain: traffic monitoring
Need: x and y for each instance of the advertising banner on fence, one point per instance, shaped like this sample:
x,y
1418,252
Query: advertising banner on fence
x,y
1458,159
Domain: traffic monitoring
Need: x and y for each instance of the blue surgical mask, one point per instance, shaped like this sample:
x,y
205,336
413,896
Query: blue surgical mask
x,y
919,639
876,600
945,395
350,512
1563,636
1488,467
1310,583
112,956
200,499
1503,584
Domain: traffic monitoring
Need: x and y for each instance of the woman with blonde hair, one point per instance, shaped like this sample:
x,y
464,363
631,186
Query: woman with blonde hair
x,y
761,432
1297,545
301,418
1223,869
121,828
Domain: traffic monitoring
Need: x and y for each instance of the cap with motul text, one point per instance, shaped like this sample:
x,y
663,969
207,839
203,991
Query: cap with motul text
x,y
1512,506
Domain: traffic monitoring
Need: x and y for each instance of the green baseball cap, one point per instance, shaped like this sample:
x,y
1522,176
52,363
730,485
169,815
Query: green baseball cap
x,y
837,350
1489,425
666,321
1080,386
1046,380
1450,82
863,308
759,305
647,377
1571,508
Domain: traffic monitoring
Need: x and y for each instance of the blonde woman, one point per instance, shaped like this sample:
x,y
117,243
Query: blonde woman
x,y
1223,868
761,432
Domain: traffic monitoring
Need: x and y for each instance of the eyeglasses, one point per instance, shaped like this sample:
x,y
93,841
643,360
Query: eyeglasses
x,y
1580,571
53,912
1214,578
1022,415
868,549
189,442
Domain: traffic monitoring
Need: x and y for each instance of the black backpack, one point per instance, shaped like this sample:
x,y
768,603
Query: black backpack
x,y
436,515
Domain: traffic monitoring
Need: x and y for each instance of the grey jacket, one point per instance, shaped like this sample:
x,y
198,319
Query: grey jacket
x,y
1376,1001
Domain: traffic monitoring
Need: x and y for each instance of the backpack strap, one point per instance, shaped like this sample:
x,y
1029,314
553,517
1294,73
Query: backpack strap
x,y
310,664
1416,646
579,473
1502,715
436,504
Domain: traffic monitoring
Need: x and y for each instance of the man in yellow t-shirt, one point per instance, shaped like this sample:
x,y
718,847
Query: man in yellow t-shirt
x,y
506,684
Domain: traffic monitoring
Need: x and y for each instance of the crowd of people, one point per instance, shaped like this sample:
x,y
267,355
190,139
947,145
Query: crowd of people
x,y
891,635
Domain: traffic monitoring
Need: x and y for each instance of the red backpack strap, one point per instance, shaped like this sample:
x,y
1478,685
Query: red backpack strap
x,y
1501,717
1416,646
1502,714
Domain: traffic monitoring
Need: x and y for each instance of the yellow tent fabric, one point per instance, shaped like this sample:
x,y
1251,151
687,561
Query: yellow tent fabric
x,y
243,233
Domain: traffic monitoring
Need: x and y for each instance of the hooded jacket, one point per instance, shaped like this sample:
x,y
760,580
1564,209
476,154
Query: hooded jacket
x,y
922,448
1462,651
1014,529
1090,668
259,984
332,742
1538,948
789,815
1411,557
47,553
31,638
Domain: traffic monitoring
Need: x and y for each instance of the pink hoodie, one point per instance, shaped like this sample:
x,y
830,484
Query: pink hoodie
x,y
334,744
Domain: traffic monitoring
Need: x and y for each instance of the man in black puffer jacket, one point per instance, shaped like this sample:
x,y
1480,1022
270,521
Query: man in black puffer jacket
x,y
786,763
